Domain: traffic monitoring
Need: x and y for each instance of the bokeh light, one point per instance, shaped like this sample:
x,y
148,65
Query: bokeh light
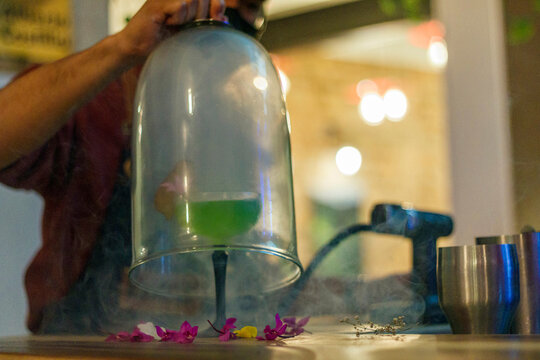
x,y
348,160
366,86
438,52
371,108
260,83
395,104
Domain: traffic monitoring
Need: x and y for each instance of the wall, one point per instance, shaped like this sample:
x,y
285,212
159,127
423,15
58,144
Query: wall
x,y
20,211
524,87
479,131
403,161
19,237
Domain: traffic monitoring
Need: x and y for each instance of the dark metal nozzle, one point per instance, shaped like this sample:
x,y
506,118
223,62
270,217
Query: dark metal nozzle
x,y
423,228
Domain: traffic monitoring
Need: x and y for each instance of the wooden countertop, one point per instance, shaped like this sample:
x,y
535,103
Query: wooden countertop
x,y
324,343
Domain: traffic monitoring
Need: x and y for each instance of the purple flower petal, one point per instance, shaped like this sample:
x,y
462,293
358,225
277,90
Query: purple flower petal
x,y
294,327
290,320
185,327
175,186
160,332
229,324
279,323
138,336
226,336
273,333
186,334
120,337
167,335
303,322
281,330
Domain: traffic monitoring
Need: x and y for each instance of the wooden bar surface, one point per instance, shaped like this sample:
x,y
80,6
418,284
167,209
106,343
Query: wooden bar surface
x,y
323,343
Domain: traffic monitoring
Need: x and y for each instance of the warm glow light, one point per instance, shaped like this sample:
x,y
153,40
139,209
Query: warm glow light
x,y
371,108
285,82
395,104
190,101
288,118
437,52
260,83
348,160
366,86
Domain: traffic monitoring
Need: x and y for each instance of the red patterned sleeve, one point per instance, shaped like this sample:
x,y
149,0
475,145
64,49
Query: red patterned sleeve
x,y
45,166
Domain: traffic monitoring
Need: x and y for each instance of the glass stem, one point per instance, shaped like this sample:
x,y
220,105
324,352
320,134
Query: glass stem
x,y
219,258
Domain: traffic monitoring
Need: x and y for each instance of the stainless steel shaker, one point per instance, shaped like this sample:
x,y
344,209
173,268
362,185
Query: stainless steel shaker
x,y
527,319
478,287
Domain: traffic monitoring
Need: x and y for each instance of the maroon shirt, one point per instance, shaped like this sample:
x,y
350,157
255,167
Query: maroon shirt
x,y
74,172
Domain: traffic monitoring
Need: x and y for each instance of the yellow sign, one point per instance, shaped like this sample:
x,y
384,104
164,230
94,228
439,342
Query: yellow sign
x,y
35,30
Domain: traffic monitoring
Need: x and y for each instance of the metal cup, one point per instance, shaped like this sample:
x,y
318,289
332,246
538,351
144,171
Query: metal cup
x,y
527,319
478,287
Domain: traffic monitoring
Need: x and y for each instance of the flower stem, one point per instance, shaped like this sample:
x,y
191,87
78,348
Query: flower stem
x,y
213,327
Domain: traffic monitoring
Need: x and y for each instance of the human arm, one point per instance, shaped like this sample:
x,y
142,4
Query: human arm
x,y
36,105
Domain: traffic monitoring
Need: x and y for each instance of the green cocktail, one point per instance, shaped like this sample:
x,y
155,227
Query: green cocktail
x,y
219,216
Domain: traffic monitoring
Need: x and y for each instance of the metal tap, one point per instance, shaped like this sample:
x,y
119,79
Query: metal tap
x,y
423,228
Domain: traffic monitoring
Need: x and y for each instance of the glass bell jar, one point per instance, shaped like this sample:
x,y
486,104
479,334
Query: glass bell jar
x,y
211,167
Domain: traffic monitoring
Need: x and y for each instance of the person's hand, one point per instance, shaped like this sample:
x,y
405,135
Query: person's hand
x,y
155,19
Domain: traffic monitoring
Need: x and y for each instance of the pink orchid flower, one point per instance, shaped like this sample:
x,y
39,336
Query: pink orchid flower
x,y
225,333
166,335
273,333
187,333
295,328
136,336
122,336
175,186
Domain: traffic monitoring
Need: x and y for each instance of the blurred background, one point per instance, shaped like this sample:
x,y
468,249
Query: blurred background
x,y
428,103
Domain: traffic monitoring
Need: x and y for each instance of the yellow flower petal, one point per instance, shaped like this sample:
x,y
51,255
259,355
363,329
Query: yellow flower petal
x,y
246,332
